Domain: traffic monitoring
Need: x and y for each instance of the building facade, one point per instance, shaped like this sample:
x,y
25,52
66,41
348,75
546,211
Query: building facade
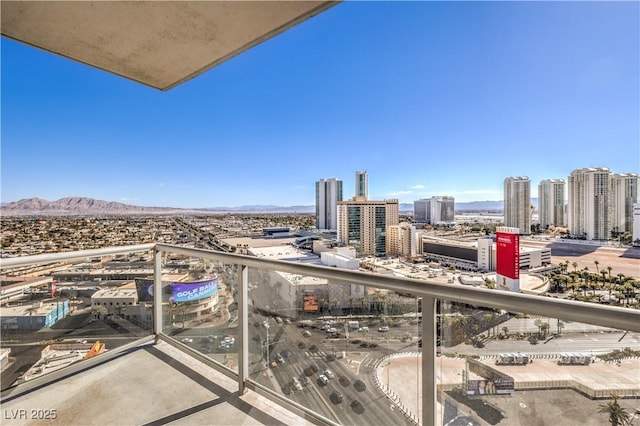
x,y
363,224
635,240
486,259
422,211
517,203
401,240
589,203
442,210
551,203
434,210
623,194
328,193
508,258
362,184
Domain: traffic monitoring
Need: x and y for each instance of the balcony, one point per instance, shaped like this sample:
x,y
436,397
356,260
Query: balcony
x,y
231,339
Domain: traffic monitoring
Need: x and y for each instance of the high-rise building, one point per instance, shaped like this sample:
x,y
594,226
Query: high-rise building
x,y
551,203
589,204
401,240
422,211
623,194
328,193
362,184
517,203
363,224
440,209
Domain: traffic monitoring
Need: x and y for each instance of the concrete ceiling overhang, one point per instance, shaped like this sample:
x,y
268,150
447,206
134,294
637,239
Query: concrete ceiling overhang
x,y
158,43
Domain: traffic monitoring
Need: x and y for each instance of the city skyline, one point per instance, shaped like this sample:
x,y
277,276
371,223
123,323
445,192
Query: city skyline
x,y
459,95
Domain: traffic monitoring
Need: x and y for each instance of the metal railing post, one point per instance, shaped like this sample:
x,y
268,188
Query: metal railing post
x,y
429,347
243,329
157,293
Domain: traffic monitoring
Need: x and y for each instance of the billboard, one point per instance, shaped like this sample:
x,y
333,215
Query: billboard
x,y
310,303
144,288
490,387
186,292
508,255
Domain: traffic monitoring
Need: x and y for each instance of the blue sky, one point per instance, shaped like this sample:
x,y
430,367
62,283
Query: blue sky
x,y
431,98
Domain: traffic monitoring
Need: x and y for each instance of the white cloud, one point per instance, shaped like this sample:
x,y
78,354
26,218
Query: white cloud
x,y
397,193
417,186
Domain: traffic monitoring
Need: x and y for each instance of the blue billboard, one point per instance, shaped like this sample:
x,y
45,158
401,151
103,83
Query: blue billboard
x,y
186,292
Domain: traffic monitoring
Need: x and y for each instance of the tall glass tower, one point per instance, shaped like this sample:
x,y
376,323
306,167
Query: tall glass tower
x,y
362,184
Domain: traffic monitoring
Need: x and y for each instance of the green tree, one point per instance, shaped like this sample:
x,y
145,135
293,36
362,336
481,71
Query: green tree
x,y
618,416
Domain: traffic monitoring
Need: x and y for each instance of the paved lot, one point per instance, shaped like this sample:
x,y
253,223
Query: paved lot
x,y
621,260
530,407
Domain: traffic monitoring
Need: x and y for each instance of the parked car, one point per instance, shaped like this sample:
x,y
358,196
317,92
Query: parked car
x,y
306,333
187,340
383,329
329,374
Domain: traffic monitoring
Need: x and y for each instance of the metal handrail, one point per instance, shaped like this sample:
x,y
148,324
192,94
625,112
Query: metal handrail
x,y
591,313
570,310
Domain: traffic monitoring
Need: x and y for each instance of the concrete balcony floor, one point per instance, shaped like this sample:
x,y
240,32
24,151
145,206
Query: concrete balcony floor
x,y
150,385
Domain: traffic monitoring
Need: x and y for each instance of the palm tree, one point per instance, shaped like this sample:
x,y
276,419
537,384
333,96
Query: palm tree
x,y
609,268
545,328
575,266
538,324
597,263
618,416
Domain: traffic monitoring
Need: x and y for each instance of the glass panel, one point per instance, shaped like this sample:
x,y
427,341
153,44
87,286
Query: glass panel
x,y
342,350
61,313
199,306
501,367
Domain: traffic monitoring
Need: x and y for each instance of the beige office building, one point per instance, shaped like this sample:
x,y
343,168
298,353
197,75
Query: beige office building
x,y
363,224
401,240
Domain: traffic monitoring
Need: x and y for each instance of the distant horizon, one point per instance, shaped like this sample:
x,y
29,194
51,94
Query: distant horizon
x,y
244,206
430,98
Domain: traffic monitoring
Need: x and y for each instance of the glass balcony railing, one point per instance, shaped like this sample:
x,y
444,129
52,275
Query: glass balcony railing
x,y
345,347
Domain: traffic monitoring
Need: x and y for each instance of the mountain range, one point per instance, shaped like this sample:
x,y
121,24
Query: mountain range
x,y
85,205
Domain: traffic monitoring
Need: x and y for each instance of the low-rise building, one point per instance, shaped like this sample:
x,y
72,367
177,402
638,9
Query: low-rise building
x,y
42,314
